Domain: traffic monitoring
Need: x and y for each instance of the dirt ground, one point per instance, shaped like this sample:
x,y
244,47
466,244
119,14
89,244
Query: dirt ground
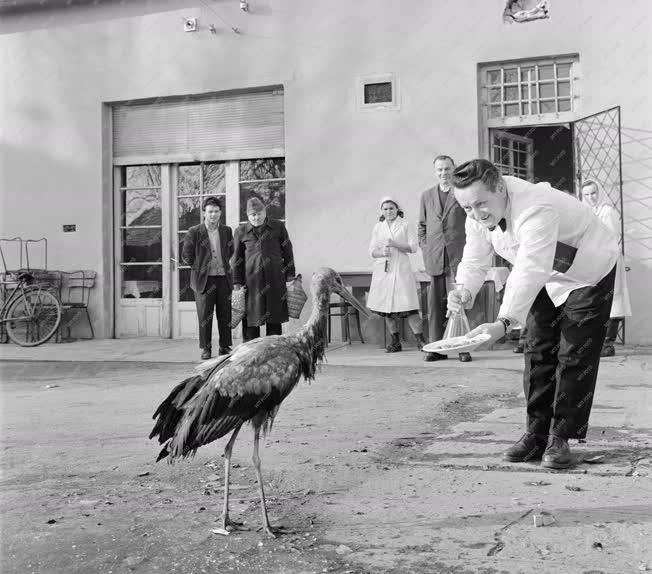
x,y
371,469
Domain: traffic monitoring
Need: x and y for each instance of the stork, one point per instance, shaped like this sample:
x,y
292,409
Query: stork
x,y
247,385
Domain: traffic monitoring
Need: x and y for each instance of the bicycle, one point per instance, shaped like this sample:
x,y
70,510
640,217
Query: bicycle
x,y
31,314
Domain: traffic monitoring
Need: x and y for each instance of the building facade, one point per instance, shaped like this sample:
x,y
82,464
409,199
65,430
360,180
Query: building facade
x,y
118,119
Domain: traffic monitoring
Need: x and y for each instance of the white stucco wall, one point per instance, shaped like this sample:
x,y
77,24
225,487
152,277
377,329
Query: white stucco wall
x,y
339,160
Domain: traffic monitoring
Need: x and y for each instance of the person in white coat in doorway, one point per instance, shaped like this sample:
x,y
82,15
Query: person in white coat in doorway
x,y
393,291
621,306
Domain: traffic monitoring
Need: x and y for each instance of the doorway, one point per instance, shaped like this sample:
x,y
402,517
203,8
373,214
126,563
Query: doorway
x,y
156,205
536,153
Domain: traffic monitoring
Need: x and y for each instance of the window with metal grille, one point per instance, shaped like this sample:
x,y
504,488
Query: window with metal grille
x,y
542,88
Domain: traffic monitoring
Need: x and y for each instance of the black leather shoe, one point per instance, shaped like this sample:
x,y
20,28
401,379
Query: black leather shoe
x,y
428,357
224,351
465,357
608,350
529,447
206,354
557,454
519,349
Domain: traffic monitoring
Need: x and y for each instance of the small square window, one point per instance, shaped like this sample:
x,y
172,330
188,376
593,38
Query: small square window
x,y
378,93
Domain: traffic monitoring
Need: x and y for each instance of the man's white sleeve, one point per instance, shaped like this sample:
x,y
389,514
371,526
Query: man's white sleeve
x,y
476,258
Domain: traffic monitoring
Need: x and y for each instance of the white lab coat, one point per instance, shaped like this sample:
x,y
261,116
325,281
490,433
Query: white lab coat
x,y
621,306
540,221
393,285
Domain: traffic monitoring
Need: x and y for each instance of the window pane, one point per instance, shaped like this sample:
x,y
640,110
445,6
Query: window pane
x,y
185,292
494,77
564,105
546,90
494,111
142,282
378,93
188,180
273,168
180,237
141,245
272,194
496,155
189,212
525,92
141,207
511,109
214,183
526,109
527,74
563,70
563,89
511,94
142,176
535,108
547,107
546,72
494,94
511,75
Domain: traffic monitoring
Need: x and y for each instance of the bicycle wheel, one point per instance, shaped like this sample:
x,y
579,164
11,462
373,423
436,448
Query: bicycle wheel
x,y
33,317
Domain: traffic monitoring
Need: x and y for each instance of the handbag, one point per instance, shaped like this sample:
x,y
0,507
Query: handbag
x,y
238,306
296,298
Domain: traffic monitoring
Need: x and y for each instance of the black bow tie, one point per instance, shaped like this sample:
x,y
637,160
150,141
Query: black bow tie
x,y
502,224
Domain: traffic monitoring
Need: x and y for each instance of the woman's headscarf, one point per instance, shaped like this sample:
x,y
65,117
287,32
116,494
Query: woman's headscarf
x,y
390,199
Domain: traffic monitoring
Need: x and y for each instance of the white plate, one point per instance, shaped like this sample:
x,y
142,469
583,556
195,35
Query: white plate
x,y
456,344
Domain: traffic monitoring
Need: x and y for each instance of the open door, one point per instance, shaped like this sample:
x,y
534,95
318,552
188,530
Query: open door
x,y
597,150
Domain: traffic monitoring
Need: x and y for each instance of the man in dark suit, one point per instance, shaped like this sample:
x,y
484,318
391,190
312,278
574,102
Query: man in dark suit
x,y
441,238
208,248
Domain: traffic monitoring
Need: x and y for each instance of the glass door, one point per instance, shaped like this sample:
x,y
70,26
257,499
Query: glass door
x,y
142,251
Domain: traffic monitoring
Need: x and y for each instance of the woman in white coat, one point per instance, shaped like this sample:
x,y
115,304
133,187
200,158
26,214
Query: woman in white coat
x,y
621,307
393,291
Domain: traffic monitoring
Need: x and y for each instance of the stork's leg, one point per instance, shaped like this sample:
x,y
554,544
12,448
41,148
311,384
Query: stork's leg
x,y
227,524
263,506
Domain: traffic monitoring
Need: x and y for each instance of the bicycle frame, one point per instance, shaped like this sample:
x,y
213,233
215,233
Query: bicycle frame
x,y
17,292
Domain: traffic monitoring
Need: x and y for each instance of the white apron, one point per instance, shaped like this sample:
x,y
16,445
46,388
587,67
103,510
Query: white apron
x,y
621,306
393,285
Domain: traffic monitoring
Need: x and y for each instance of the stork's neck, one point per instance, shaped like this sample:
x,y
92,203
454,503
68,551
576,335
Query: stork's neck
x,y
314,328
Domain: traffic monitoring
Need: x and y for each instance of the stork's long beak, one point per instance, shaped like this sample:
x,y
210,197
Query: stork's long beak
x,y
351,300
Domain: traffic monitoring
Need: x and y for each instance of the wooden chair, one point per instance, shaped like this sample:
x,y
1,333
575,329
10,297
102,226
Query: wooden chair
x,y
344,310
75,294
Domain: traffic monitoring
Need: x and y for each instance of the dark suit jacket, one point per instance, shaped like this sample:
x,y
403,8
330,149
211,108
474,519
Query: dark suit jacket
x,y
439,229
197,253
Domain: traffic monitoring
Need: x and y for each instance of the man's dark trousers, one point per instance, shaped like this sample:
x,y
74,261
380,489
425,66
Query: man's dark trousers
x,y
217,295
437,306
250,332
562,356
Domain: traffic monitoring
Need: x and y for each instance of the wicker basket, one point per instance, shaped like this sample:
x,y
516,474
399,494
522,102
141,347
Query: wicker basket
x,y
238,306
296,298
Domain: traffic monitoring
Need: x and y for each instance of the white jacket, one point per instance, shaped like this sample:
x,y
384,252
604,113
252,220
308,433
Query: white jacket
x,y
621,306
393,285
551,239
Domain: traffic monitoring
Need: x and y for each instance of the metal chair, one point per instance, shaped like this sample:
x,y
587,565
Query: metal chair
x,y
344,310
75,294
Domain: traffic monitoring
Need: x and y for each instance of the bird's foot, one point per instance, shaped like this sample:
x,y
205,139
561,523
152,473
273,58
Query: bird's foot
x,y
229,526
275,531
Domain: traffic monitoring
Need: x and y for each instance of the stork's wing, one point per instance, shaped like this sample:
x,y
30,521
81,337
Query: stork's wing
x,y
255,378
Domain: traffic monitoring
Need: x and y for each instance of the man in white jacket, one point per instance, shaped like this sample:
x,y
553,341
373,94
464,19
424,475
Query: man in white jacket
x,y
560,287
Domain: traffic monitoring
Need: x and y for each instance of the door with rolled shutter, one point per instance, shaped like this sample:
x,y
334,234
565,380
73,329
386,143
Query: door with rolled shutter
x,y
168,156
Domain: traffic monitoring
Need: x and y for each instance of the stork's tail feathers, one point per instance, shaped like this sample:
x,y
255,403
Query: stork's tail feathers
x,y
170,411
